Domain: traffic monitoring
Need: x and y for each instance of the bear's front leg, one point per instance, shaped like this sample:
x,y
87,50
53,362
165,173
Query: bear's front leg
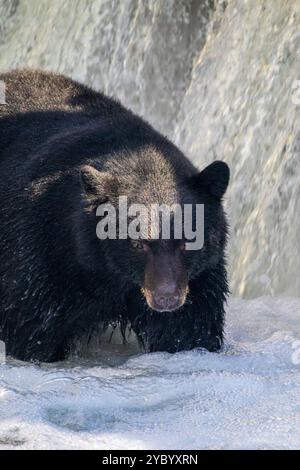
x,y
41,347
35,339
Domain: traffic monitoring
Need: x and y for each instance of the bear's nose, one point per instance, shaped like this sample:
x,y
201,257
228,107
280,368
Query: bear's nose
x,y
166,302
166,296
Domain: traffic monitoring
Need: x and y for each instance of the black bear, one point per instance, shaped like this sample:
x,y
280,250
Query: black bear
x,y
64,150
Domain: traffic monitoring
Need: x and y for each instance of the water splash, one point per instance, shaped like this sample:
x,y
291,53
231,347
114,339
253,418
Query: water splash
x,y
245,397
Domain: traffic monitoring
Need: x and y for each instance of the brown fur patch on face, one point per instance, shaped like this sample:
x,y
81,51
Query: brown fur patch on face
x,y
151,181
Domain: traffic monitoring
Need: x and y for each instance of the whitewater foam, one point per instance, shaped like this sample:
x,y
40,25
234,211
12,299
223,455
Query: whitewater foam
x,y
247,396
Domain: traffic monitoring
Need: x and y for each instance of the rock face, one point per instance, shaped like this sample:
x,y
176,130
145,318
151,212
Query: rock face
x,y
222,79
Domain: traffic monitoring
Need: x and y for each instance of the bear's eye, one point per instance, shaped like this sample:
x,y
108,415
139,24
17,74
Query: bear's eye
x,y
139,245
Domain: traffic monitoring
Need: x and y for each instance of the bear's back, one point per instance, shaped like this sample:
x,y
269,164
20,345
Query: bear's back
x,y
37,91
52,123
42,106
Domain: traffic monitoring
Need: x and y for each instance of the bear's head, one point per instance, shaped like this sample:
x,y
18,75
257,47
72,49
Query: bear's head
x,y
161,263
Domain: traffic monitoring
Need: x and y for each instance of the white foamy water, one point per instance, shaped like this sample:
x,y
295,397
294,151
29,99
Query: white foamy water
x,y
248,396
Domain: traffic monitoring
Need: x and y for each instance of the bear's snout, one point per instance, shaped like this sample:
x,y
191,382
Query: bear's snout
x,y
165,285
166,302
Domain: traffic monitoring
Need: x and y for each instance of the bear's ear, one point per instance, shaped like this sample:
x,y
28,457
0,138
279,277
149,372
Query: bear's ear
x,y
213,179
96,184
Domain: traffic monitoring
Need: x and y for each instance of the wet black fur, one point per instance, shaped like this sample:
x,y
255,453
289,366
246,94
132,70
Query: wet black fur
x,y
57,280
